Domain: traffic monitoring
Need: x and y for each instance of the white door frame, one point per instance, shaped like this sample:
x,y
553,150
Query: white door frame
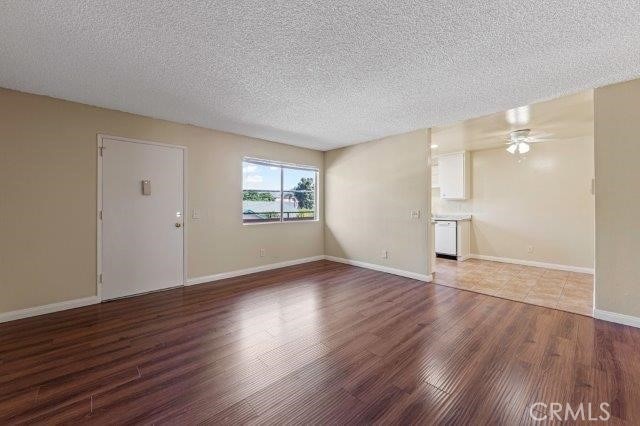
x,y
100,145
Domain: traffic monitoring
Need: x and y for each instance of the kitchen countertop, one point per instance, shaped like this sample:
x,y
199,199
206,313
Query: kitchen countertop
x,y
456,217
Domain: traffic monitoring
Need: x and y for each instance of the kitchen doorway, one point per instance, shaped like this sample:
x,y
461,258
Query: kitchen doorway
x,y
513,204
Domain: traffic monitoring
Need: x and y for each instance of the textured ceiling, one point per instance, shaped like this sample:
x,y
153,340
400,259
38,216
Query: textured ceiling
x,y
320,74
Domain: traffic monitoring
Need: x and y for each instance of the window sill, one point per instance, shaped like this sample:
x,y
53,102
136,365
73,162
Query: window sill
x,y
279,222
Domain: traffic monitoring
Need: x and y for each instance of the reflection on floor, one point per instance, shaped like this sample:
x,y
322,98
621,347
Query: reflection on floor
x,y
566,291
317,343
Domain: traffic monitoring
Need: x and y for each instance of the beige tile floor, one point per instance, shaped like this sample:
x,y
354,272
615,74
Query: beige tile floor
x,y
566,291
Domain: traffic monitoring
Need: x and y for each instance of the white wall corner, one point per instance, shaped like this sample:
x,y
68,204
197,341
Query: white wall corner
x,y
47,309
616,317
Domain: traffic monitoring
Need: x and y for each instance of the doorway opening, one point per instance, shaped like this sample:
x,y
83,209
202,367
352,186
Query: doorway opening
x,y
513,204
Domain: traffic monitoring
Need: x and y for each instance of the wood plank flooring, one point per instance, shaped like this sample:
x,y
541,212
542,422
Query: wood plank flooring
x,y
321,343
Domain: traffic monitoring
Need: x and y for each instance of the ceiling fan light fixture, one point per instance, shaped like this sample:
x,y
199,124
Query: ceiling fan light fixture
x,y
523,147
518,141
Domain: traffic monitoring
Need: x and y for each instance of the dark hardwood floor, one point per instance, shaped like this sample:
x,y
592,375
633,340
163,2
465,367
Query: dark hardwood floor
x,y
316,343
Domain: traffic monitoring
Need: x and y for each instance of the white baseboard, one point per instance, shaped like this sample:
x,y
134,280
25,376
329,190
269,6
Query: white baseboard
x,y
91,300
388,270
534,263
247,271
616,317
47,309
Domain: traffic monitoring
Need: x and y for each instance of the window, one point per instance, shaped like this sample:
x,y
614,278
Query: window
x,y
276,192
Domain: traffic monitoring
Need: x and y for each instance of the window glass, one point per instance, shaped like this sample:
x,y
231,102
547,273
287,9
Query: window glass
x,y
300,190
277,193
260,193
299,205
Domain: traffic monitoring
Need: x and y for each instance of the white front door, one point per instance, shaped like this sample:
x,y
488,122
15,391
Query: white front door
x,y
142,217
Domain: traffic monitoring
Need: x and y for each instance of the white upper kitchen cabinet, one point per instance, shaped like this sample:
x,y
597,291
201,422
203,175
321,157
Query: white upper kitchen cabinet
x,y
454,175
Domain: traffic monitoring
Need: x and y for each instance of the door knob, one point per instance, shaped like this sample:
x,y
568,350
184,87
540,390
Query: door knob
x,y
178,224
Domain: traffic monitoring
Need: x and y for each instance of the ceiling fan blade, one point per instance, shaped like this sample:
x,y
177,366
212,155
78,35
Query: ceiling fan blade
x,y
540,134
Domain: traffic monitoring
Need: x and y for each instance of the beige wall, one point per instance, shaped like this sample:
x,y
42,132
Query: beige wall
x,y
617,148
48,198
48,191
544,201
370,190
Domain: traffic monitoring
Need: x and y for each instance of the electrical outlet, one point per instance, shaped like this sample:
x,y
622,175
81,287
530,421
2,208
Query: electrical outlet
x,y
415,214
263,252
384,254
529,249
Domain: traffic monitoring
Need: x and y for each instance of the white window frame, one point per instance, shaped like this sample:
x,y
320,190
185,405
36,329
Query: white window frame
x,y
283,166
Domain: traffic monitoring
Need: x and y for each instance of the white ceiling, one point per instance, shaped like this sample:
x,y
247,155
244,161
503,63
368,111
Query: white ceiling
x,y
319,74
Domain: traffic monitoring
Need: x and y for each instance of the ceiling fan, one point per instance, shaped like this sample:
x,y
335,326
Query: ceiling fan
x,y
519,141
517,130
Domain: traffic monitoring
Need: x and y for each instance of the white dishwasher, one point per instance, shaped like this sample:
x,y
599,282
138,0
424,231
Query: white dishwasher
x,y
446,237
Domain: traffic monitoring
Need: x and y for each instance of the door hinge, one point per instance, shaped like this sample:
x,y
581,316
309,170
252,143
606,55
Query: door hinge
x,y
100,214
100,278
100,150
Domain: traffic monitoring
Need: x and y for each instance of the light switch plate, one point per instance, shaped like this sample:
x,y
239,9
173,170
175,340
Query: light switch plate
x,y
195,214
146,187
